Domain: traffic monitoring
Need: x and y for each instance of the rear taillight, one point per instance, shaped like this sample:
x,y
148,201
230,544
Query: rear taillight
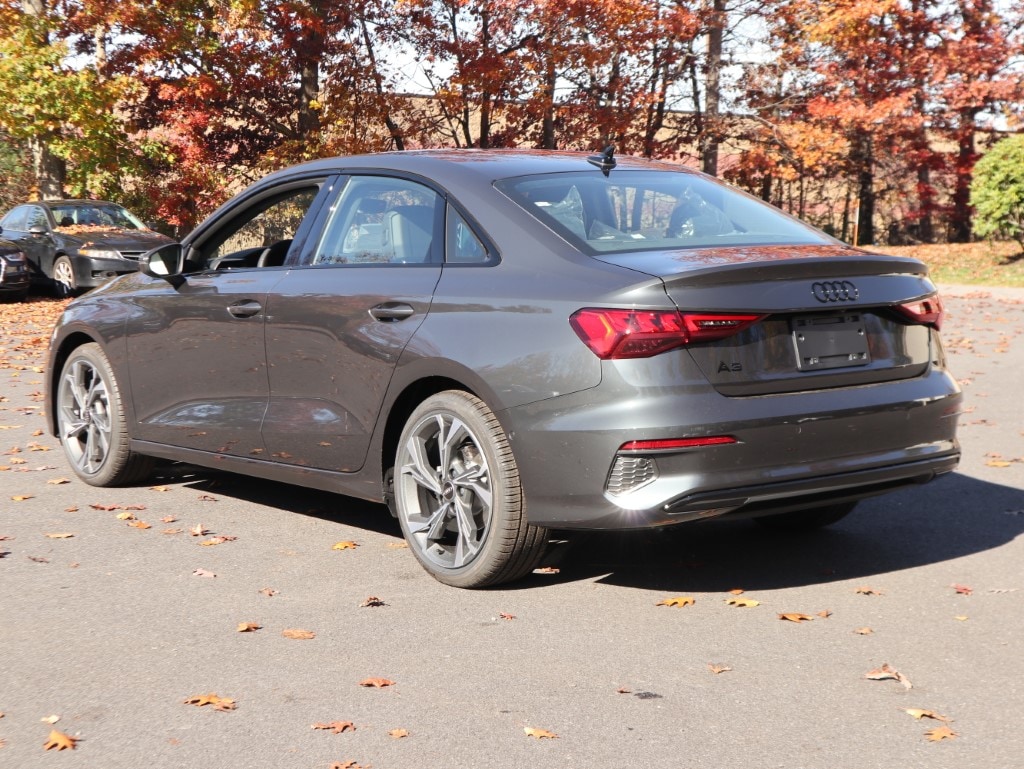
x,y
614,334
927,312
676,444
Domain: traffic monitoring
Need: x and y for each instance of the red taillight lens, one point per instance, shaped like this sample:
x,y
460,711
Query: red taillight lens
x,y
927,312
615,334
668,444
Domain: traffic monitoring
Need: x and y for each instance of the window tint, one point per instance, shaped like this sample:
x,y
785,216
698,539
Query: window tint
x,y
461,243
644,210
380,220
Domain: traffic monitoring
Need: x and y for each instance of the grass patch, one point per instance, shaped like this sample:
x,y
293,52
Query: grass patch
x,y
975,264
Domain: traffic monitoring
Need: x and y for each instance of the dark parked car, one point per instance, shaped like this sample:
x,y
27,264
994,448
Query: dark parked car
x,y
14,274
77,244
501,343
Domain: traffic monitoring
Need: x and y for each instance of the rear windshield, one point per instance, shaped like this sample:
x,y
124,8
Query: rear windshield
x,y
652,210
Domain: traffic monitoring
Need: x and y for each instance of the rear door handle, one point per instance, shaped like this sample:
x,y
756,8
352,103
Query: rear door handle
x,y
245,309
392,311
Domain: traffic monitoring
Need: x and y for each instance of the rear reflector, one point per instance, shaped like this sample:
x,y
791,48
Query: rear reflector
x,y
927,312
669,444
613,334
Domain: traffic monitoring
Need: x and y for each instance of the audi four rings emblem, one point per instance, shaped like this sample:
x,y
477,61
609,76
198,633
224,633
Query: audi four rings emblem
x,y
835,291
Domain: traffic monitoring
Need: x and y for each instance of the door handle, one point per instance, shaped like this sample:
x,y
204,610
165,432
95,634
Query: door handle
x,y
245,309
392,311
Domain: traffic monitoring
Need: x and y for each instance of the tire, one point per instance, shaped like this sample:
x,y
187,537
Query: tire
x,y
807,520
458,496
64,284
91,423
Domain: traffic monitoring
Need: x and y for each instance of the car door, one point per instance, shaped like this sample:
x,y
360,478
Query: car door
x,y
339,321
196,350
38,247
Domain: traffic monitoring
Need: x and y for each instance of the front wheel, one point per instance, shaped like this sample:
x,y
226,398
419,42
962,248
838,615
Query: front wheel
x,y
458,496
807,520
64,283
91,422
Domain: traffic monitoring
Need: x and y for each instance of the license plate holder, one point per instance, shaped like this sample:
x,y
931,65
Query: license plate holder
x,y
830,341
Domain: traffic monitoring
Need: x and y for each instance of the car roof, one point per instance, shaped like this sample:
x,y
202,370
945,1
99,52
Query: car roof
x,y
71,202
489,164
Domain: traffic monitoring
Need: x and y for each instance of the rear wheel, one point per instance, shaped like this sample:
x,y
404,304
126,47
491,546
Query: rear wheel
x,y
458,496
807,520
64,284
91,422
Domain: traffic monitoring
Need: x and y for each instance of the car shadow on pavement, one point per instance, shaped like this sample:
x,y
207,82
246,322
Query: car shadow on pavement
x,y
952,517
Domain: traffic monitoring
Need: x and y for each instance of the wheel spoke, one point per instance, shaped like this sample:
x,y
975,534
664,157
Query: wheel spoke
x,y
418,465
450,436
468,544
477,480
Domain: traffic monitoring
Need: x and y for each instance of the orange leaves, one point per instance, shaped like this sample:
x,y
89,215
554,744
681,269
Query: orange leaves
x,y
336,727
218,702
918,714
346,545
398,733
376,683
248,627
219,540
677,602
60,535
940,733
298,634
962,589
60,741
886,673
372,601
539,734
795,617
718,669
22,497
743,603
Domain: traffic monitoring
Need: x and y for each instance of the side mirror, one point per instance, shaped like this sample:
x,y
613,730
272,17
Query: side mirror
x,y
37,230
167,262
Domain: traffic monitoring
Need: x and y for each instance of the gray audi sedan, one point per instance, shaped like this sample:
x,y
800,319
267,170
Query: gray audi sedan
x,y
499,344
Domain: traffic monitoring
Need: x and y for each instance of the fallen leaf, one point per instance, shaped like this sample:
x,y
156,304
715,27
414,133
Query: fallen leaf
x,y
940,733
546,570
795,617
506,615
824,613
126,516
540,734
885,672
171,531
168,519
398,545
268,592
743,603
50,719
376,683
372,601
867,591
346,545
57,481
159,488
961,618
136,508
198,531
106,508
716,669
219,703
248,627
71,509
60,741
22,497
337,727
962,589
60,535
346,765
38,559
399,733
139,525
996,463
623,690
207,498
203,573
919,714
683,600
863,631
217,541
298,634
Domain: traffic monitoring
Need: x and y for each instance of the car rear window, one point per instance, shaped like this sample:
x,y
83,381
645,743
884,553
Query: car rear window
x,y
652,210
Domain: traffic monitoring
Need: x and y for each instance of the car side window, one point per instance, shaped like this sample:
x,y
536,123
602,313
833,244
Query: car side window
x,y
15,220
380,220
261,234
37,218
462,246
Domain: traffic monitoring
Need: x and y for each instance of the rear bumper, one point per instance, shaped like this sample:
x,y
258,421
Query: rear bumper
x,y
793,451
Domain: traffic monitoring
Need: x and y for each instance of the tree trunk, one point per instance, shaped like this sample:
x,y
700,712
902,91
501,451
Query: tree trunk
x,y
960,221
864,165
50,171
712,87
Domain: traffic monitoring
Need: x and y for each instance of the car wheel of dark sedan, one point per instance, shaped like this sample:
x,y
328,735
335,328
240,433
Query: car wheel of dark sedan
x,y
807,520
64,284
91,423
458,495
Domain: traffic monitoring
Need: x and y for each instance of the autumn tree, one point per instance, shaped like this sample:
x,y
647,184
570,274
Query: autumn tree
x,y
997,191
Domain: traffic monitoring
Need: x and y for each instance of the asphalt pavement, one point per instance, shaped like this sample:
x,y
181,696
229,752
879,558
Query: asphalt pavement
x,y
111,627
